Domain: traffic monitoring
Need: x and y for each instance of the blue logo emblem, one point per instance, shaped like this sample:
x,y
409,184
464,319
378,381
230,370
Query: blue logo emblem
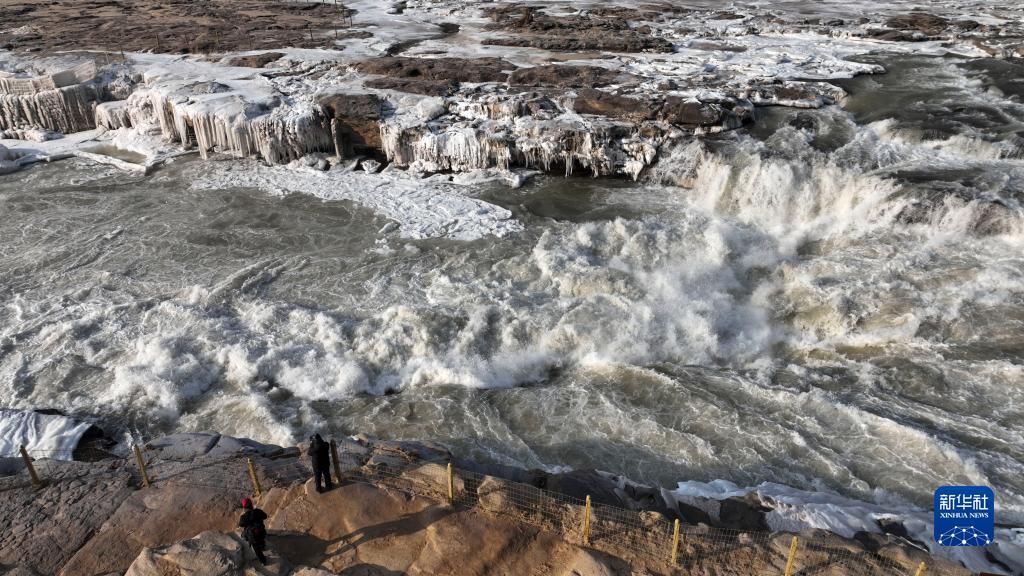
x,y
965,516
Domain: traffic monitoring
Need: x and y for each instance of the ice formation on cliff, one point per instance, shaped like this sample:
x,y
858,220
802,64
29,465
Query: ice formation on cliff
x,y
223,109
638,101
505,130
62,101
68,109
225,123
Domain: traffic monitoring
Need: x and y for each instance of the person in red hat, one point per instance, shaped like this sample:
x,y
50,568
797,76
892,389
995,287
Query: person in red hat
x,y
253,530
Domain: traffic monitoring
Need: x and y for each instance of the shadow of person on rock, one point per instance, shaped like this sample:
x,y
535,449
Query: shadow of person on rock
x,y
403,526
306,549
368,570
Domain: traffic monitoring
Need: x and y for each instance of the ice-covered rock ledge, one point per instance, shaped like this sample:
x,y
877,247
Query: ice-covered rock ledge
x,y
545,117
439,87
436,115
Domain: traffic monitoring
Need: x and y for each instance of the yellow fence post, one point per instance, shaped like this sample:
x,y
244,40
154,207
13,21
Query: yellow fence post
x,y
31,468
792,557
142,465
586,523
920,569
337,462
451,485
675,544
255,480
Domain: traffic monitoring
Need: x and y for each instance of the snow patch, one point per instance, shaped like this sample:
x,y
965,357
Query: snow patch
x,y
422,208
43,435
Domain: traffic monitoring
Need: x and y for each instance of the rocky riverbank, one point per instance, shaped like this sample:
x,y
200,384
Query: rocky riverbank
x,y
450,87
390,516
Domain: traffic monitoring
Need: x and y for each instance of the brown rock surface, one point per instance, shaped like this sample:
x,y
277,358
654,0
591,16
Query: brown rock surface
x,y
568,76
432,76
923,22
355,121
43,528
918,26
415,86
255,60
453,69
161,515
361,529
210,553
390,517
598,30
590,101
691,113
170,26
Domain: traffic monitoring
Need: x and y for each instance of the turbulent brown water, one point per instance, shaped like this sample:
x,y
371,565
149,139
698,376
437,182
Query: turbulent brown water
x,y
836,302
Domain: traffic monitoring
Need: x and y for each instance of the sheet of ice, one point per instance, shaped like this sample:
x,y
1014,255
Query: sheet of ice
x,y
43,435
99,145
52,148
422,208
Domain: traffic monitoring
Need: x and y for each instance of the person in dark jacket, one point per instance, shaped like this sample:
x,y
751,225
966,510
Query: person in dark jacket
x,y
253,530
320,455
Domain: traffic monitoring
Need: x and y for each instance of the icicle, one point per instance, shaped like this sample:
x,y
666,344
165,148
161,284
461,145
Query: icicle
x,y
68,109
277,137
113,115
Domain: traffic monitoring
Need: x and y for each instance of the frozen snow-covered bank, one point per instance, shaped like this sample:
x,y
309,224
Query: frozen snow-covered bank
x,y
604,94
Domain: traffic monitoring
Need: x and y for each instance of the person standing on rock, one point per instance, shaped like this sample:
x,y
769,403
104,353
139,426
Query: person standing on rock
x,y
320,455
253,530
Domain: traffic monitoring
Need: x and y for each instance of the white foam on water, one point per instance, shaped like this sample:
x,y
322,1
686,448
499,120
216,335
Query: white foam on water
x,y
43,435
798,193
597,291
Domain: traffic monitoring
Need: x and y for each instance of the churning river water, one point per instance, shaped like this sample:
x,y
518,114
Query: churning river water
x,y
834,300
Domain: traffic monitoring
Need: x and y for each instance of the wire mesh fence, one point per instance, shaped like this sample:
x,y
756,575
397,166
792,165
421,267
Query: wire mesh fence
x,y
632,534
640,534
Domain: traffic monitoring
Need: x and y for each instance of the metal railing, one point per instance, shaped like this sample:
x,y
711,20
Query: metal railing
x,y
635,535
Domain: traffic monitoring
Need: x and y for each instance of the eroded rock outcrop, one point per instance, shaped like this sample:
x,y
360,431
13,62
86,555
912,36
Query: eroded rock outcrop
x,y
355,122
544,139
919,26
569,76
432,76
254,60
210,553
598,30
